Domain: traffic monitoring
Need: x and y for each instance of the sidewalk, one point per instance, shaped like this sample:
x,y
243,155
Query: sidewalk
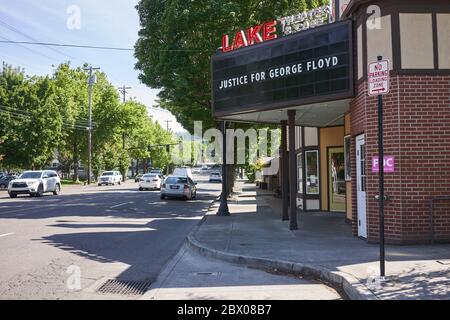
x,y
323,247
191,276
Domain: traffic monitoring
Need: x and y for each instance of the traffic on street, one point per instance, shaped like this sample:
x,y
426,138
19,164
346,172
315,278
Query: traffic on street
x,y
211,150
108,232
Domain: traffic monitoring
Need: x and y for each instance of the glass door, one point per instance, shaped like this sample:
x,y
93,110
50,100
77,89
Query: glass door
x,y
336,179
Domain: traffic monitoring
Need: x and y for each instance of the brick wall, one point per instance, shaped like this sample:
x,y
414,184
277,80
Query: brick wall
x,y
417,133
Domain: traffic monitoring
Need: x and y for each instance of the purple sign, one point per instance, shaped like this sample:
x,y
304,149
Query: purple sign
x,y
389,164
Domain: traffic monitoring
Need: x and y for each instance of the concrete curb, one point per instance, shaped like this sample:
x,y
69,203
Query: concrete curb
x,y
352,287
152,290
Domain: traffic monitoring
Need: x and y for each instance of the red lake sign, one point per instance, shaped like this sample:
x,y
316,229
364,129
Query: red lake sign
x,y
251,36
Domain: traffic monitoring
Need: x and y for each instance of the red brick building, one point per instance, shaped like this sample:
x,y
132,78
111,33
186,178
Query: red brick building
x,y
336,133
415,36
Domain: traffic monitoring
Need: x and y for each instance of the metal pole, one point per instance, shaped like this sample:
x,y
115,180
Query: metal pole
x,y
292,172
167,124
123,91
90,82
381,180
284,172
90,127
124,174
223,208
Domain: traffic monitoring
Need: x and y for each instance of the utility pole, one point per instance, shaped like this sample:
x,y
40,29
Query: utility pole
x,y
123,91
167,124
91,82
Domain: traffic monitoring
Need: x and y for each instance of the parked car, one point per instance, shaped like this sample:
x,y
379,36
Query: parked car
x,y
156,171
215,177
138,177
180,187
110,177
150,181
35,183
183,172
4,180
196,170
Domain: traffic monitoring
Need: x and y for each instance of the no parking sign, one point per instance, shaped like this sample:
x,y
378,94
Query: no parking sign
x,y
378,77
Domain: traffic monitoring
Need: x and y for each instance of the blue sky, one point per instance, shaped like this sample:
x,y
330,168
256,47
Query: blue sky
x,y
112,23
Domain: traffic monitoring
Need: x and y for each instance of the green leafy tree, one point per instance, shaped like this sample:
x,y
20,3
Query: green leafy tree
x,y
72,87
31,123
177,39
159,155
72,100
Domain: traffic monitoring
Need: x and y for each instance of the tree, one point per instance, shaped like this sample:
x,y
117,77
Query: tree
x,y
72,88
41,115
178,38
31,124
72,99
159,155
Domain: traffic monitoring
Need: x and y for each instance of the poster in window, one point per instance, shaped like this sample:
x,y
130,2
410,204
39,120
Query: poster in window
x,y
312,172
348,172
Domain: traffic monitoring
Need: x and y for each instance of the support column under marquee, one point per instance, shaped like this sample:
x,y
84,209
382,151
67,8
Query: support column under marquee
x,y
284,166
292,172
223,207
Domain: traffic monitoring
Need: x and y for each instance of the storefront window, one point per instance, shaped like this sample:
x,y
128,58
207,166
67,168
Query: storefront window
x,y
299,173
347,141
312,172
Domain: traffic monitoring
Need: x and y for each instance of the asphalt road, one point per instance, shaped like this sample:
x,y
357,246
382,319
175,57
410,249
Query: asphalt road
x,y
104,232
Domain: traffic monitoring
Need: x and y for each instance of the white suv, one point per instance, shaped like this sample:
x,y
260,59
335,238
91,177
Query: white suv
x,y
110,177
35,183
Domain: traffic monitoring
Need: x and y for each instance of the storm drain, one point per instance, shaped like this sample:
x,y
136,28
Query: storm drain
x,y
124,287
206,273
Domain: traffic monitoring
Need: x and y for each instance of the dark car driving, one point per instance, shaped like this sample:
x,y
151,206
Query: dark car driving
x,y
5,180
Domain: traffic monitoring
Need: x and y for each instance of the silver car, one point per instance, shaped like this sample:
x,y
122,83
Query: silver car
x,y
179,187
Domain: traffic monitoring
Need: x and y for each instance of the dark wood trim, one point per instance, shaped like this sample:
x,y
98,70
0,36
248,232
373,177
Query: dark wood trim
x,y
302,152
431,72
364,45
412,6
396,42
434,30
394,8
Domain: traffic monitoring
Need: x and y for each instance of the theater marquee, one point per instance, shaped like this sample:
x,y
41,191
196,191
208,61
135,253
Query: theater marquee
x,y
304,68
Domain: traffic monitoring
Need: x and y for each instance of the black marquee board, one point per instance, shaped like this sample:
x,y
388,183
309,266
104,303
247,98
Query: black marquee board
x,y
307,67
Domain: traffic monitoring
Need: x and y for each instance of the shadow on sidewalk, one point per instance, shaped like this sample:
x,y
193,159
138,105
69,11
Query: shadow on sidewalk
x,y
324,239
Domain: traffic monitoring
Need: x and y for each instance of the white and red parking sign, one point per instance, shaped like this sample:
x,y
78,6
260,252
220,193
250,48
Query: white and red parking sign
x,y
378,77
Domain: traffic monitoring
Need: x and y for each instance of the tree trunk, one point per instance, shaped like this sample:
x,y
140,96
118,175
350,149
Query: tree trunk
x,y
144,165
